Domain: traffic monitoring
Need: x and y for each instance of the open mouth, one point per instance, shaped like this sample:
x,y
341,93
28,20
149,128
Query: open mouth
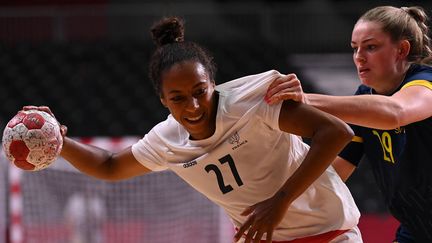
x,y
363,70
194,119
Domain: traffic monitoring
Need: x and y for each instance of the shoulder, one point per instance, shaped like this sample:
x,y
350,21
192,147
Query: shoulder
x,y
418,75
243,98
248,82
419,72
153,148
248,87
168,132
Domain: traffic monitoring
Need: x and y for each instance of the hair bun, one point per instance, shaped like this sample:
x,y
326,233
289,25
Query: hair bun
x,y
167,30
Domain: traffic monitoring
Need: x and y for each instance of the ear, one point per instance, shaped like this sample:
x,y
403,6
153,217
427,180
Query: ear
x,y
404,49
213,83
163,101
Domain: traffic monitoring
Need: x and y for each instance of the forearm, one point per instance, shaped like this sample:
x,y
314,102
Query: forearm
x,y
88,159
343,168
321,154
374,111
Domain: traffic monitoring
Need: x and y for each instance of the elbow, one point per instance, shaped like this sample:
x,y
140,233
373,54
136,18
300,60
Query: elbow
x,y
394,121
391,116
107,171
338,131
341,132
345,132
110,173
399,117
395,118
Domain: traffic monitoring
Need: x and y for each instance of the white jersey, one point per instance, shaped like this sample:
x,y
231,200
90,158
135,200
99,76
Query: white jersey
x,y
247,160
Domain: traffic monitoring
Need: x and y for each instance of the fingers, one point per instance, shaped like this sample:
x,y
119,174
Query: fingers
x,y
258,236
283,79
255,229
30,107
39,108
63,130
243,228
287,95
248,222
279,84
247,211
255,233
46,109
283,88
269,236
250,235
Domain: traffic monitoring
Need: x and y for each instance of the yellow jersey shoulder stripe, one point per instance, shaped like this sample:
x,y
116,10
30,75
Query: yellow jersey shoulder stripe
x,y
424,83
357,139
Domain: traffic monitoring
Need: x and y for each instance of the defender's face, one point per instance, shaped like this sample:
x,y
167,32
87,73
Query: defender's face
x,y
188,93
375,54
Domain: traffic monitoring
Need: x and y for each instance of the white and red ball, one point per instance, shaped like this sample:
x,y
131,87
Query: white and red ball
x,y
32,140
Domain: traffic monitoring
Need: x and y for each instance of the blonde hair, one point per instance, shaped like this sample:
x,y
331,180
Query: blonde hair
x,y
405,23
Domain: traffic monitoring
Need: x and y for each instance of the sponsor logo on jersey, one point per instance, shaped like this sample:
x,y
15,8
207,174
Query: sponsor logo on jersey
x,y
235,139
400,130
189,164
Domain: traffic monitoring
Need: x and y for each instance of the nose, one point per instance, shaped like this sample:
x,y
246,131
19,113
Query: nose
x,y
192,104
359,56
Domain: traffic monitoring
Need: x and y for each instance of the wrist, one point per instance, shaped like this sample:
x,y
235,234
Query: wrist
x,y
283,197
305,99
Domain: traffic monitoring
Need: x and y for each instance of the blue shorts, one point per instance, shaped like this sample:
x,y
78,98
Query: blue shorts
x,y
403,235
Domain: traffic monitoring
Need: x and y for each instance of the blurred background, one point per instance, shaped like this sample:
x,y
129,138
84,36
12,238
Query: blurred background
x,y
87,60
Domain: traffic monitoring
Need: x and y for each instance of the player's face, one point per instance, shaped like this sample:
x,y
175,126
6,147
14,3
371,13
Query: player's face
x,y
375,56
188,93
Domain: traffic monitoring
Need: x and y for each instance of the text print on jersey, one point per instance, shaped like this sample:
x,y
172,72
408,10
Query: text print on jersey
x,y
219,176
236,139
189,164
386,145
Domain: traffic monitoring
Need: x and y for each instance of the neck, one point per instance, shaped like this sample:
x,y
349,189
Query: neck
x,y
393,83
215,106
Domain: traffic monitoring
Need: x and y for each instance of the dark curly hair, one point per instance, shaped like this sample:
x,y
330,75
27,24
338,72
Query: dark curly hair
x,y
168,35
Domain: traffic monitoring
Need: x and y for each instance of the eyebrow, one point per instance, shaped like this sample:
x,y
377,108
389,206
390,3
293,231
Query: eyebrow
x,y
178,91
370,38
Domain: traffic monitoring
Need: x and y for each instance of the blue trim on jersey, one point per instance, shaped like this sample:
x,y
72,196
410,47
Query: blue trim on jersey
x,y
401,160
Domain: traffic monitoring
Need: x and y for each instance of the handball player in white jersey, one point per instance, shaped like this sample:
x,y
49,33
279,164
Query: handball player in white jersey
x,y
243,154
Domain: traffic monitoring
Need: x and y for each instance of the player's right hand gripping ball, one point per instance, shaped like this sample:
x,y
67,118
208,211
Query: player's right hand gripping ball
x,y
32,140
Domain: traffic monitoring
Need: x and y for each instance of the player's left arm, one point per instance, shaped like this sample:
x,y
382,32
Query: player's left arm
x,y
328,137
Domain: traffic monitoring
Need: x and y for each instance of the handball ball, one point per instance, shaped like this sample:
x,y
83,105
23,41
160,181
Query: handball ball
x,y
32,140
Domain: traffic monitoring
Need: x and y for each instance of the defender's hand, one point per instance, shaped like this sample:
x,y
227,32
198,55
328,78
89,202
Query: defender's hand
x,y
285,87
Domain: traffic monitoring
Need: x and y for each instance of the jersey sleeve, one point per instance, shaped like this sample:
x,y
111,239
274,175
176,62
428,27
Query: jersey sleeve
x,y
353,152
149,151
270,114
418,75
418,82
